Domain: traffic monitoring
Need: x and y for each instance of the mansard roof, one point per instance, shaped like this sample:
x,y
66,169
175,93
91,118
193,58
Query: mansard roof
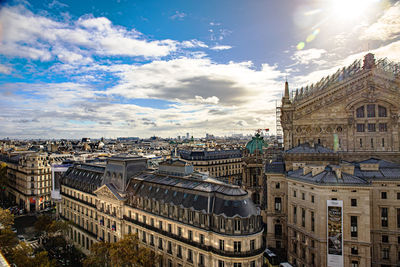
x,y
361,176
84,177
327,177
205,197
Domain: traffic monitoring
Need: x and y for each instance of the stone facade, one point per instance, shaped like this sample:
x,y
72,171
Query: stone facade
x,y
29,179
189,220
357,108
341,137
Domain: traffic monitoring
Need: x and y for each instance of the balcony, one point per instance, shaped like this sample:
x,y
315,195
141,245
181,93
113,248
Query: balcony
x,y
242,254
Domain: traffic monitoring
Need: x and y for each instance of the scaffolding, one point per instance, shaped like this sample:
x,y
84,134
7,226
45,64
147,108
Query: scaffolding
x,y
278,126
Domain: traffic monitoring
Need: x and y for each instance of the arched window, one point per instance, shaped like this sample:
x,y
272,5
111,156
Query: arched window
x,y
360,112
382,111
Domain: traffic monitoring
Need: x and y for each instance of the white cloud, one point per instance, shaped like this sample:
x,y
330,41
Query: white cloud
x,y
178,15
34,36
386,28
309,56
221,47
5,69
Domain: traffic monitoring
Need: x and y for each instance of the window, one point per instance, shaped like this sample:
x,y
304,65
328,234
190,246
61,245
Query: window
x,y
294,214
360,127
361,143
278,230
160,225
383,195
360,112
169,228
190,255
384,217
169,248
237,246
354,264
221,244
294,193
221,223
221,263
278,204
190,235
354,202
353,226
179,231
179,253
372,142
383,127
371,127
201,259
237,264
237,225
160,243
370,110
277,185
385,253
382,111
201,239
398,218
383,142
385,239
253,264
252,244
354,250
303,217
312,199
303,196
312,222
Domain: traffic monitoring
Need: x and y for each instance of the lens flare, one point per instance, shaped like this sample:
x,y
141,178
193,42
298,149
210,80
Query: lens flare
x,y
300,45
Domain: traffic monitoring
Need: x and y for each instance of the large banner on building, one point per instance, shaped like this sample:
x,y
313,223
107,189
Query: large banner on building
x,y
335,233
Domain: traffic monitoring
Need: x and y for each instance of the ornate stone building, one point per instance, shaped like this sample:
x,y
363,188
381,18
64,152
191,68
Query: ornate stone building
x,y
341,139
188,218
354,111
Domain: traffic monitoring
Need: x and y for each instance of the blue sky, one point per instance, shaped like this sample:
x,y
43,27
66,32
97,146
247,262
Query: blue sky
x,y
70,69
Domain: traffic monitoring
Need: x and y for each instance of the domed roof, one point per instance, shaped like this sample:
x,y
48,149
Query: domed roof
x,y
257,143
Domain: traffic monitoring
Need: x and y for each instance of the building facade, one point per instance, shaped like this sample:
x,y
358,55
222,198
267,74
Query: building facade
x,y
225,165
341,146
354,111
29,179
189,220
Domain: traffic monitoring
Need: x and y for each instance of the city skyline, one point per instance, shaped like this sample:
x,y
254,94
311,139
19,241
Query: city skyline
x,y
122,68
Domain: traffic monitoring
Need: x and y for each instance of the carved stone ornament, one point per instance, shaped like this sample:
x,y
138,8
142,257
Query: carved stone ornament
x,y
106,193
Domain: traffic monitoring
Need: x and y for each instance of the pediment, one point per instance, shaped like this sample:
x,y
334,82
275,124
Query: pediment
x,y
107,192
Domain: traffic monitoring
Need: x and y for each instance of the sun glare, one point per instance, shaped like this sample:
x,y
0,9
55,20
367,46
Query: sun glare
x,y
350,9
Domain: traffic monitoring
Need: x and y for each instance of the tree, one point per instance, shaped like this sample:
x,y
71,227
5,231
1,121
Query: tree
x,y
23,256
42,223
125,252
58,227
6,218
7,237
99,255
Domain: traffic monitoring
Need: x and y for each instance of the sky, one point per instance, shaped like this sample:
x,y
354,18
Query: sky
x,y
113,68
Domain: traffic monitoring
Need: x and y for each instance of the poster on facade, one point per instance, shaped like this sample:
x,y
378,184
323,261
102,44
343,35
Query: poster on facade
x,y
335,233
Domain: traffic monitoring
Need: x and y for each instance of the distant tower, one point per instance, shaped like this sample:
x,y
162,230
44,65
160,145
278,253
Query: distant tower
x,y
187,136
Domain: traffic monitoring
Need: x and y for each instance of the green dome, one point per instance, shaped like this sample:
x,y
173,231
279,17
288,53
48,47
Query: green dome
x,y
257,143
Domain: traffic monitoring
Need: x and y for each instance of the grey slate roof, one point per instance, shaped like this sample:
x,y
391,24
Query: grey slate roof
x,y
327,177
84,177
387,171
196,195
275,167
